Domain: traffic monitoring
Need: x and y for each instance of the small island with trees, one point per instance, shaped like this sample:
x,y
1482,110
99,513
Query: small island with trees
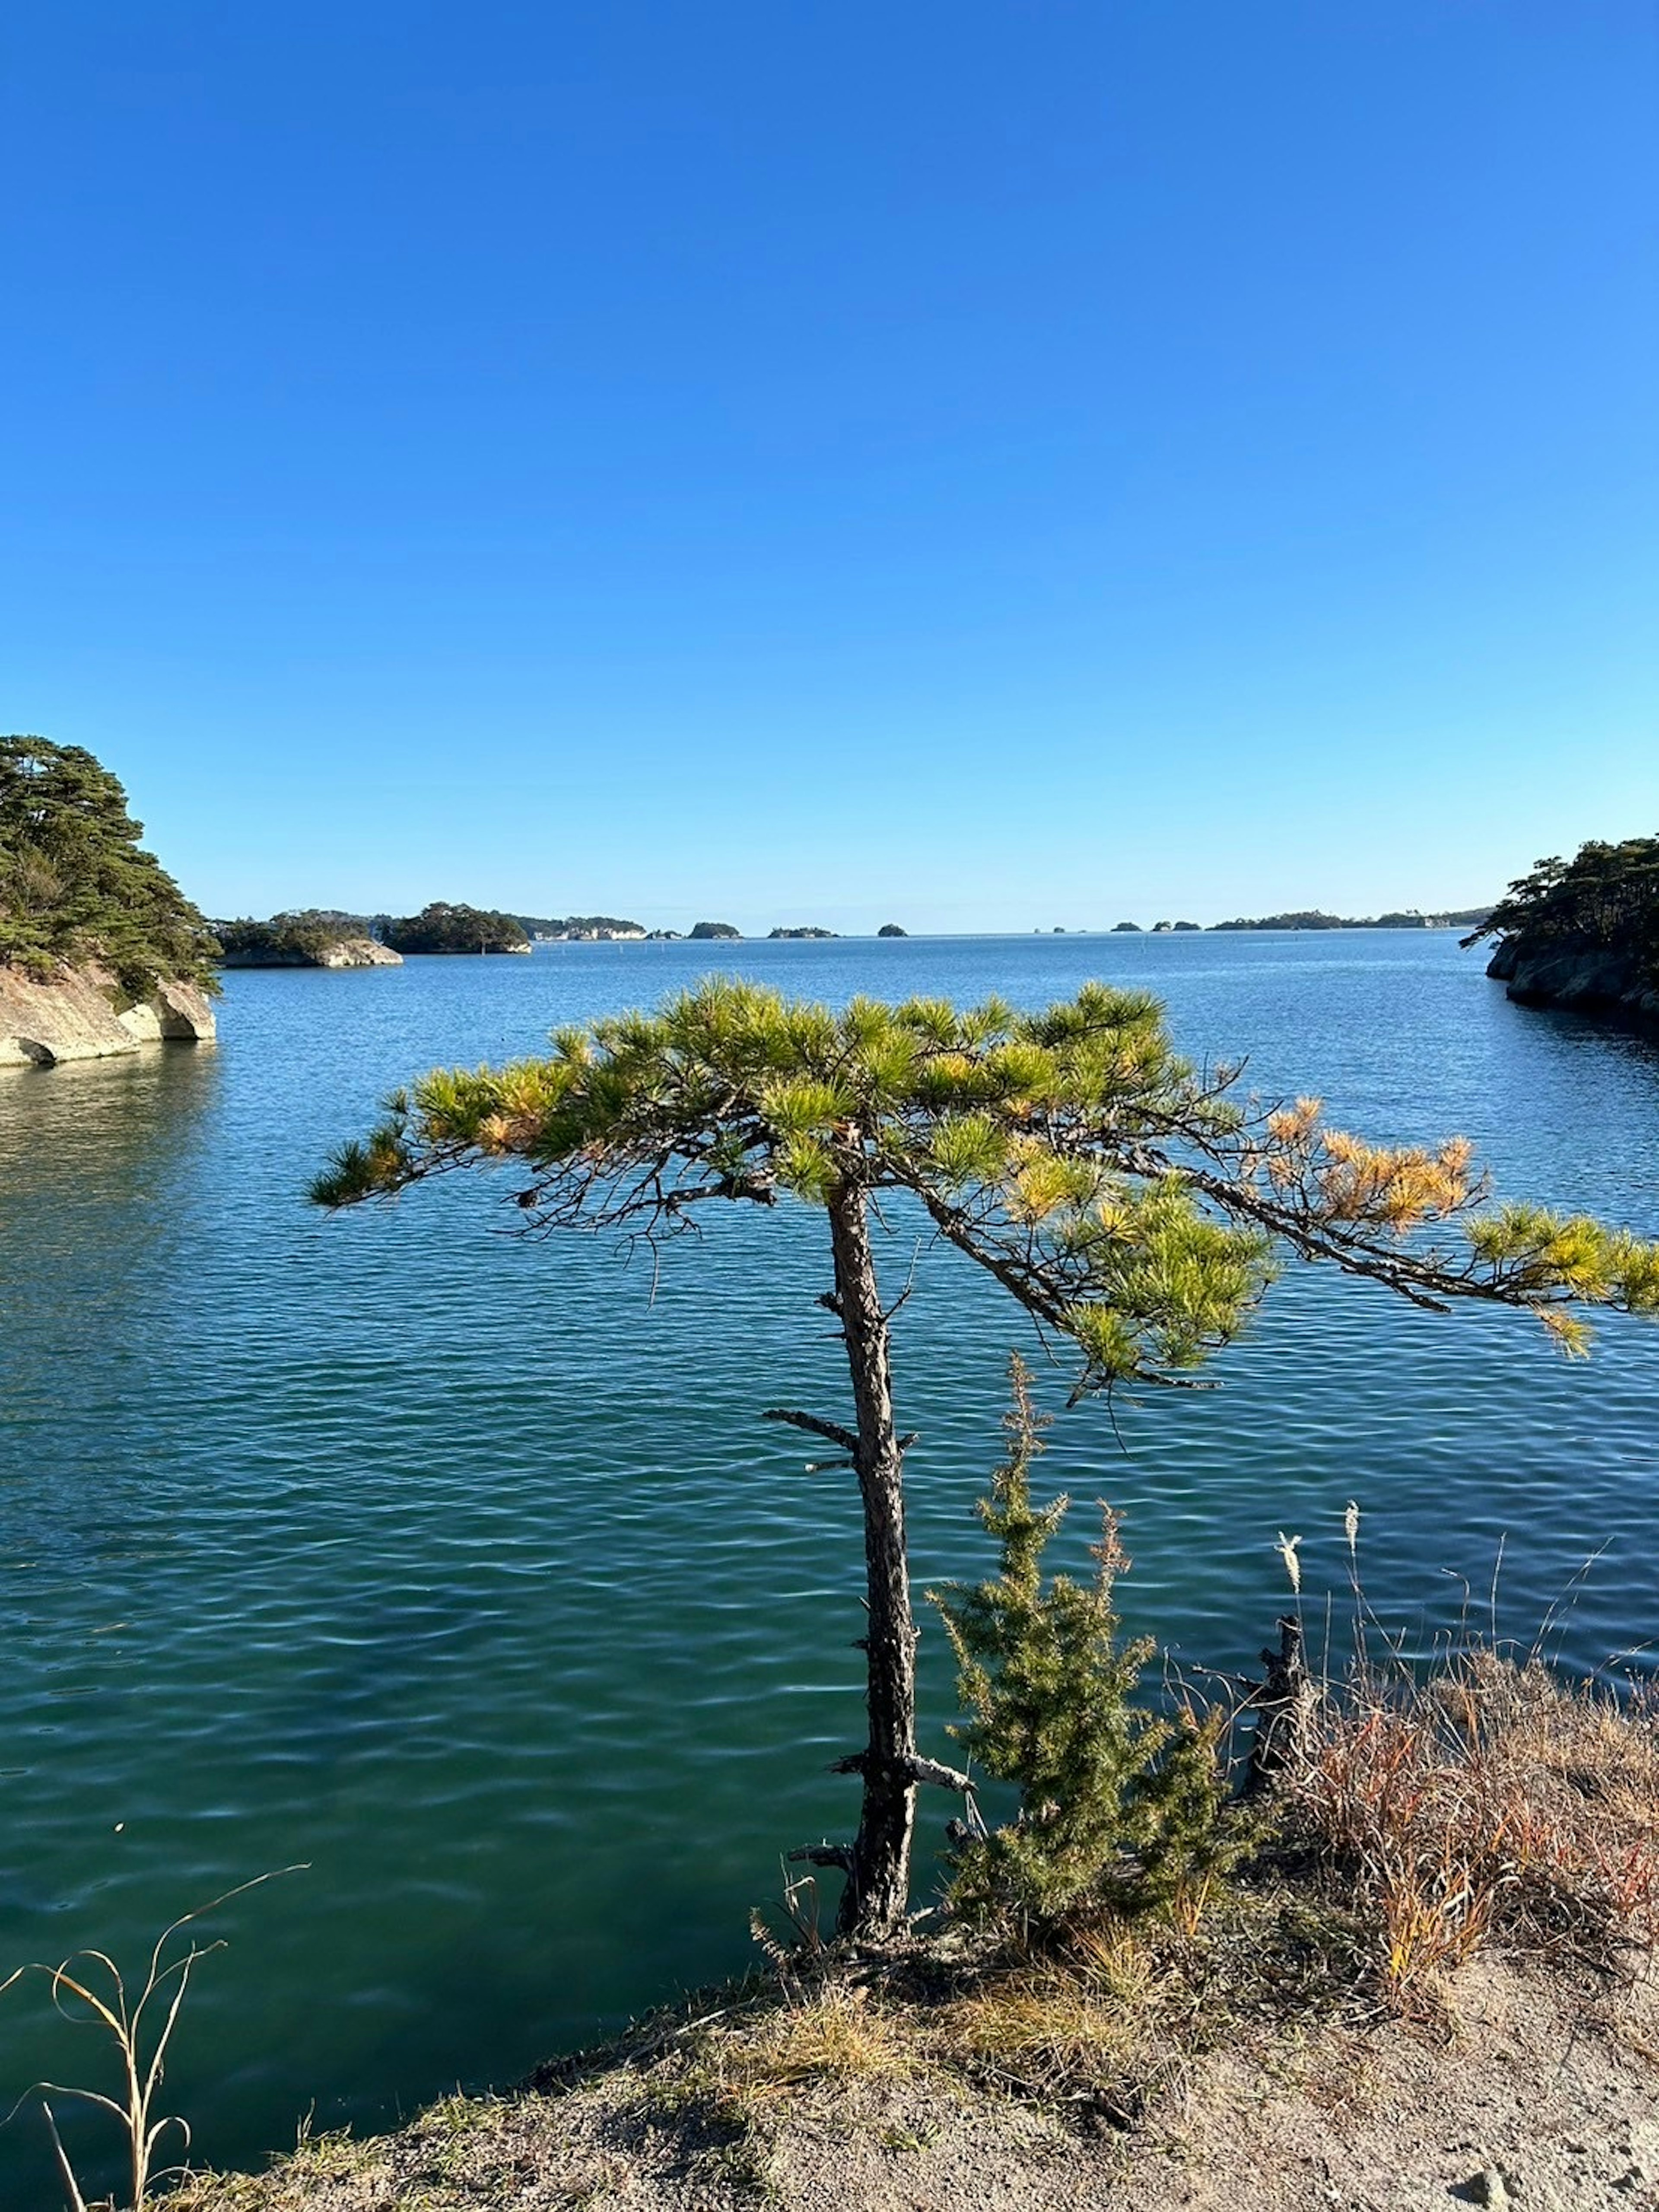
x,y
314,936
441,927
584,929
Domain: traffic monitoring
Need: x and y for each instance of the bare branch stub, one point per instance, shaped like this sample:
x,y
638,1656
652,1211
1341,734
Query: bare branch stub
x,y
832,1431
838,1856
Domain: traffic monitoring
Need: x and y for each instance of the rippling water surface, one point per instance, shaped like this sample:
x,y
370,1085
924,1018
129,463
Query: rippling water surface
x,y
457,1567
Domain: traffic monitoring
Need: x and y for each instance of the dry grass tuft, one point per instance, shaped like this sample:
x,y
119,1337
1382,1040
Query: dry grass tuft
x,y
838,2032
1491,1801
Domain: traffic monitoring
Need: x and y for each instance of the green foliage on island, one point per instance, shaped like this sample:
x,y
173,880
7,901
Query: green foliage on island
x,y
1133,927
74,882
441,927
578,925
1605,899
705,930
296,940
891,929
1401,917
802,933
1308,917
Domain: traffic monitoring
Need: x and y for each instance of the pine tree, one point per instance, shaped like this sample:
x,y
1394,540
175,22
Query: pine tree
x,y
1606,898
75,884
1119,1805
1128,1202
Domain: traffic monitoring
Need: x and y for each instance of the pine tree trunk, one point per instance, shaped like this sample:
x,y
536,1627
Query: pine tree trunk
x,y
877,1891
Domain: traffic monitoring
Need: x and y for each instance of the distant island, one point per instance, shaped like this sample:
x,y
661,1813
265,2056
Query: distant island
x,y
1312,918
441,927
99,949
891,929
803,932
315,937
585,929
704,931
1582,933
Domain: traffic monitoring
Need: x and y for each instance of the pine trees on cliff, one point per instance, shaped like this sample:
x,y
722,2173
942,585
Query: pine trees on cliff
x,y
75,885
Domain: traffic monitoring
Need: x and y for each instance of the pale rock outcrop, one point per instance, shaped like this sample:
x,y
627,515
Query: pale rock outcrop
x,y
358,952
83,1014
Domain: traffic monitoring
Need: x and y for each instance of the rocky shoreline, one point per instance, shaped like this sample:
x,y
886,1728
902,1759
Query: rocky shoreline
x,y
82,1013
1586,980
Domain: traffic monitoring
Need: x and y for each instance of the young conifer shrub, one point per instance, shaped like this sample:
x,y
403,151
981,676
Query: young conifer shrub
x,y
1119,1806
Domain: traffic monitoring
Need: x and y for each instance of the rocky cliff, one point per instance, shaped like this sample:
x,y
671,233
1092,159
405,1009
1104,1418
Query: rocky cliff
x,y
1593,981
83,1014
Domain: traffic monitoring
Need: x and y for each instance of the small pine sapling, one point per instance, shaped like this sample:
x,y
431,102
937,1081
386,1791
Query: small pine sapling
x,y
1119,1806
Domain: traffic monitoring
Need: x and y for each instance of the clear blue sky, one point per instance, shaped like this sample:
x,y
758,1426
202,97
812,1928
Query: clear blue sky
x,y
976,464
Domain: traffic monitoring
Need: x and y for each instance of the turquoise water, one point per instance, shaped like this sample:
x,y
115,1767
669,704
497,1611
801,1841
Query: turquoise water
x,y
457,1567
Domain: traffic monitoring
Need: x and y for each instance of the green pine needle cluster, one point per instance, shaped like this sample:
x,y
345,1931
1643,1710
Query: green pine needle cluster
x,y
1004,1125
1128,1201
1120,1807
74,884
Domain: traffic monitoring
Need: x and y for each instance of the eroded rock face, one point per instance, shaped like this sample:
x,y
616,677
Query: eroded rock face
x,y
79,1015
1593,981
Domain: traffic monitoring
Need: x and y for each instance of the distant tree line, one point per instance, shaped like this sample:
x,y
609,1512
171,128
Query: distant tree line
x,y
1312,918
74,882
1606,898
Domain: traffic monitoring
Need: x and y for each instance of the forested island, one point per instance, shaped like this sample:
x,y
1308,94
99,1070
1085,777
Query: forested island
x,y
314,936
1582,933
99,949
441,927
585,928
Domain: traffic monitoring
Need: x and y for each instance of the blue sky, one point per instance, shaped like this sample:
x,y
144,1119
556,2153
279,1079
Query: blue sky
x,y
985,465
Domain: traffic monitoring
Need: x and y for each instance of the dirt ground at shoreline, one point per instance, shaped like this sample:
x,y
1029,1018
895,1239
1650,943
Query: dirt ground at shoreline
x,y
1535,2090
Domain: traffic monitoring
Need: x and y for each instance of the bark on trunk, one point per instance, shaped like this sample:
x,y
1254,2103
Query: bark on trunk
x,y
877,1891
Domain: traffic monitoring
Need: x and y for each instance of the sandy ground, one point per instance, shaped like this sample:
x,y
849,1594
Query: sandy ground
x,y
1533,2092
